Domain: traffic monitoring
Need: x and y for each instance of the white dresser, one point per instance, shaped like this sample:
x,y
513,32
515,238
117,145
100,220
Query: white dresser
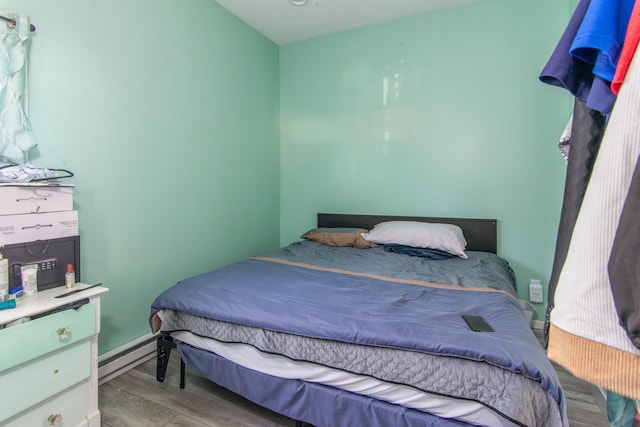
x,y
49,365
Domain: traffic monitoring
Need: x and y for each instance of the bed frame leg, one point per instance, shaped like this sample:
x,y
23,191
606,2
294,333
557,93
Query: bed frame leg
x,y
165,344
182,369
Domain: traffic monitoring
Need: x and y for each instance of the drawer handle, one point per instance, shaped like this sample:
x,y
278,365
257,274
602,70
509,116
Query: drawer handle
x,y
37,226
31,199
63,333
55,420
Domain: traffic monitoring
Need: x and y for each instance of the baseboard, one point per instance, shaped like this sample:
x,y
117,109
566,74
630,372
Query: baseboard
x,y
126,357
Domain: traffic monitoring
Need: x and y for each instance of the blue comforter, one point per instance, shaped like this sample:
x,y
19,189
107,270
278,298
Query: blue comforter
x,y
372,297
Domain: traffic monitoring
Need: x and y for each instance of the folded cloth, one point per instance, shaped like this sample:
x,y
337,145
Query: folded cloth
x,y
26,172
419,252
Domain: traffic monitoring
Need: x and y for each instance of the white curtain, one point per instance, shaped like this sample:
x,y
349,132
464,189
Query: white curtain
x,y
16,136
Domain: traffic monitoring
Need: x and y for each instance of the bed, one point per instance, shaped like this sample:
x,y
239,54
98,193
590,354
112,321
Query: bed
x,y
335,330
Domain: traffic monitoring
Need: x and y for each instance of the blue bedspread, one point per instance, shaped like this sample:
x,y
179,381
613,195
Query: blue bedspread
x,y
372,297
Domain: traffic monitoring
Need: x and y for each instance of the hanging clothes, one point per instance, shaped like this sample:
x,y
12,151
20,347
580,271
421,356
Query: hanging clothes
x,y
628,49
16,135
564,144
586,56
587,130
584,63
563,69
624,262
601,35
585,335
593,313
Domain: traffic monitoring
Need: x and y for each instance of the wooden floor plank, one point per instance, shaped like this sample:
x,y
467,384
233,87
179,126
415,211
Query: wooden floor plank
x,y
130,400
120,406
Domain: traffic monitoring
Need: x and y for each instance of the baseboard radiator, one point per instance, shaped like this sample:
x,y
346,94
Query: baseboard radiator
x,y
126,357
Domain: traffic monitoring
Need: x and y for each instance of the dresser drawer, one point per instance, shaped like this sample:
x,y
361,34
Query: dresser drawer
x,y
30,383
33,339
67,408
21,199
38,226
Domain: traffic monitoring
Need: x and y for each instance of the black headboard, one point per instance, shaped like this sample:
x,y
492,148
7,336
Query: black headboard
x,y
481,234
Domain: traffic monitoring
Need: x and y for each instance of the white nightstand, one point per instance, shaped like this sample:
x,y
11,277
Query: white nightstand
x,y
49,365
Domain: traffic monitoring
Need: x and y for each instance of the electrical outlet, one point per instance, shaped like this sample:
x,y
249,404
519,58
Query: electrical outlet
x,y
535,291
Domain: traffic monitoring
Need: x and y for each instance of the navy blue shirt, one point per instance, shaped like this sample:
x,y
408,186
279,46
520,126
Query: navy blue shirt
x,y
585,58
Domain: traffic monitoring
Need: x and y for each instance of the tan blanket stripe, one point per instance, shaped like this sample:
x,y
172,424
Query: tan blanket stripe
x,y
388,279
595,362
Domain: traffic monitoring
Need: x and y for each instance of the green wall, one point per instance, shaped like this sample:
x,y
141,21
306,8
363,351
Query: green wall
x,y
440,114
196,141
167,112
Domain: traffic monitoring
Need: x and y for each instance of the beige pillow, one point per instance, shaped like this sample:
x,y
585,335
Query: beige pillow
x,y
339,237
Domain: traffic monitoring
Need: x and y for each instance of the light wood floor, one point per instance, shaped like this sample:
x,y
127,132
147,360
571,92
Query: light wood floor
x,y
135,398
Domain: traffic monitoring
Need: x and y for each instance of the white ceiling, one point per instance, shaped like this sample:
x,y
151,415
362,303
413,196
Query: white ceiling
x,y
284,23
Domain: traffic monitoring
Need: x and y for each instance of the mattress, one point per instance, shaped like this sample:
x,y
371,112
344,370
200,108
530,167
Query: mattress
x,y
314,403
275,365
383,325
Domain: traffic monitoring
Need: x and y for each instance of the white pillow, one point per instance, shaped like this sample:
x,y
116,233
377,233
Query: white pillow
x,y
445,237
